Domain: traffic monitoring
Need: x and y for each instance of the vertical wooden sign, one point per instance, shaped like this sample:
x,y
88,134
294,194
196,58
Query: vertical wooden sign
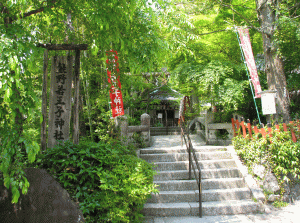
x,y
60,100
44,104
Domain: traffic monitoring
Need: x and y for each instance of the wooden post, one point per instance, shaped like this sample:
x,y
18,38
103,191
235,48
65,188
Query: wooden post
x,y
243,128
249,128
293,132
233,127
237,125
284,127
263,131
166,120
44,103
269,129
76,97
277,127
256,131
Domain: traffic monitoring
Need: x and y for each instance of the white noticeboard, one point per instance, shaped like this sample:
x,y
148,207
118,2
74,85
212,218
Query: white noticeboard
x,y
159,115
268,103
176,114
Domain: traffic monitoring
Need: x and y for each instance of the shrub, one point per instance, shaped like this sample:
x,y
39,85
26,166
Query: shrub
x,y
277,153
108,180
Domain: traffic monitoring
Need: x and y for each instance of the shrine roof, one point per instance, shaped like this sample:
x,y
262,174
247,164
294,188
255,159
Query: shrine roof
x,y
165,93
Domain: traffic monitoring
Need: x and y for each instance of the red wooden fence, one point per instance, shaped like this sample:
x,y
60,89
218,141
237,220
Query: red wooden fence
x,y
246,128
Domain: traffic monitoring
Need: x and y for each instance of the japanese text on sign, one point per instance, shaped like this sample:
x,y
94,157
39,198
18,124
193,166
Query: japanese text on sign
x,y
114,80
59,122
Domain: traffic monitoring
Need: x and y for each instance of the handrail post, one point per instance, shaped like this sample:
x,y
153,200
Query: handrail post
x,y
200,195
190,157
190,149
190,164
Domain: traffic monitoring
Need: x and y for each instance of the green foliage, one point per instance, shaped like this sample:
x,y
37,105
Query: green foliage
x,y
220,83
18,114
134,33
279,204
214,71
110,183
158,124
138,139
277,153
288,41
222,134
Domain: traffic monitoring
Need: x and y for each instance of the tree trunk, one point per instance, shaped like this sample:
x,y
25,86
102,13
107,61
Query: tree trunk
x,y
274,66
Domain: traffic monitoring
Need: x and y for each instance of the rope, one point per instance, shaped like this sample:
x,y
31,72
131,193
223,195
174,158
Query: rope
x,y
243,58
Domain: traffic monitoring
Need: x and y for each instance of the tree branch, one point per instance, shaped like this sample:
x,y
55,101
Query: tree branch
x,y
32,12
36,11
244,18
222,30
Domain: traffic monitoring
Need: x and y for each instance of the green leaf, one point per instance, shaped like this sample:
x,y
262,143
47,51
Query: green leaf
x,y
7,182
15,194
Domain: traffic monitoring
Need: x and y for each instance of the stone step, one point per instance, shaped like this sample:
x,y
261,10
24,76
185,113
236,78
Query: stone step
x,y
184,185
155,132
207,195
205,174
173,128
159,131
204,164
184,156
208,208
180,149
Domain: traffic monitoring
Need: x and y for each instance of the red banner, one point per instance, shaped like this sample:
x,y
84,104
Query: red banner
x,y
246,45
113,78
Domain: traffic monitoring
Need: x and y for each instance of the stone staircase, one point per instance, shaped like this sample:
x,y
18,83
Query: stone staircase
x,y
224,191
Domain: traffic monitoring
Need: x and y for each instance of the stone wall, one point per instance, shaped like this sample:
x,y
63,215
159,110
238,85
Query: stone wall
x,y
209,130
127,132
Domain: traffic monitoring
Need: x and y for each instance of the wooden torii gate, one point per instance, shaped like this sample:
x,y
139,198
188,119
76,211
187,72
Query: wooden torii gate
x,y
77,48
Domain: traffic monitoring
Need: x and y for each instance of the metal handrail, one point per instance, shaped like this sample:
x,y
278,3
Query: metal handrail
x,y
191,151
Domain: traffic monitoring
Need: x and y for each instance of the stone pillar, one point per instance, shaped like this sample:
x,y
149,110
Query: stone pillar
x,y
209,118
121,121
145,121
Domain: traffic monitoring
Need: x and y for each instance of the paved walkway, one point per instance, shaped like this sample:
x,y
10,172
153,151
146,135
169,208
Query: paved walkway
x,y
289,214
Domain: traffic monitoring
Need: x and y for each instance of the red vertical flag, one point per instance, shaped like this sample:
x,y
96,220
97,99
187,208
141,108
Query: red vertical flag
x,y
246,46
114,79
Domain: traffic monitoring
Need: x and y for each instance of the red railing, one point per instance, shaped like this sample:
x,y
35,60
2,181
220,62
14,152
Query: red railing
x,y
247,130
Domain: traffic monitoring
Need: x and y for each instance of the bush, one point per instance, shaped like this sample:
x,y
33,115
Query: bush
x,y
108,180
277,153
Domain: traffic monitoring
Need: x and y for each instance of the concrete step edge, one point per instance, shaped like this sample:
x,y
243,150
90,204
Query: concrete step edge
x,y
204,204
193,180
208,208
178,149
202,161
202,170
204,191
